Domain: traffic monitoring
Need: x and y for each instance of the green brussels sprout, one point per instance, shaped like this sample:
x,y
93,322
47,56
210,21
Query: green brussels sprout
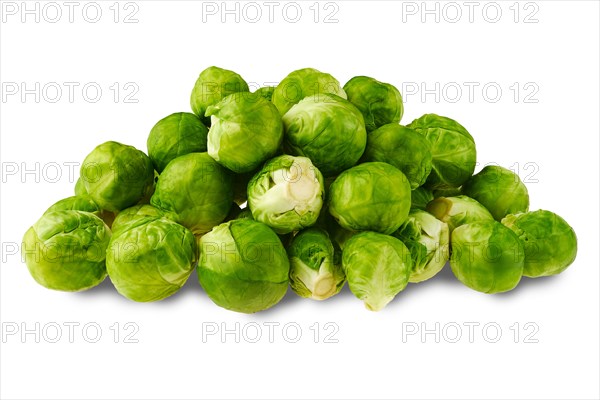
x,y
117,176
403,148
452,150
175,135
243,266
286,194
380,103
80,189
377,268
549,241
486,256
265,92
458,210
371,196
303,83
428,239
315,271
500,190
245,132
65,250
212,85
419,198
196,190
79,203
327,129
151,259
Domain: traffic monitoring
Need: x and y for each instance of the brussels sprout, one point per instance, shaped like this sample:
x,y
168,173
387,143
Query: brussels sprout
x,y
80,189
304,83
79,203
265,92
419,198
65,250
116,176
286,194
486,256
151,259
549,241
315,271
428,239
243,266
500,190
458,210
327,129
175,135
196,189
403,148
371,196
245,131
452,149
380,103
377,268
212,85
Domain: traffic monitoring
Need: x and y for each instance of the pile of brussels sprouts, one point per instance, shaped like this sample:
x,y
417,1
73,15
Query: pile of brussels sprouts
x,y
308,184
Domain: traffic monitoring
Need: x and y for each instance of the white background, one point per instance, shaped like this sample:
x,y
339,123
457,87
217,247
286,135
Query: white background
x,y
555,55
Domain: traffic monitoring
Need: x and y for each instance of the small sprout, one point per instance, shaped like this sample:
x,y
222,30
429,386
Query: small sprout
x,y
315,265
487,256
377,268
458,210
550,242
371,196
499,190
286,194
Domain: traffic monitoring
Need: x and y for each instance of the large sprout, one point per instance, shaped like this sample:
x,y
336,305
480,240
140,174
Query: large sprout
x,y
452,150
303,83
327,129
176,135
377,268
428,240
243,266
245,131
549,241
380,103
487,256
286,194
403,148
66,250
212,85
196,190
117,176
499,189
150,259
458,210
371,196
315,265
